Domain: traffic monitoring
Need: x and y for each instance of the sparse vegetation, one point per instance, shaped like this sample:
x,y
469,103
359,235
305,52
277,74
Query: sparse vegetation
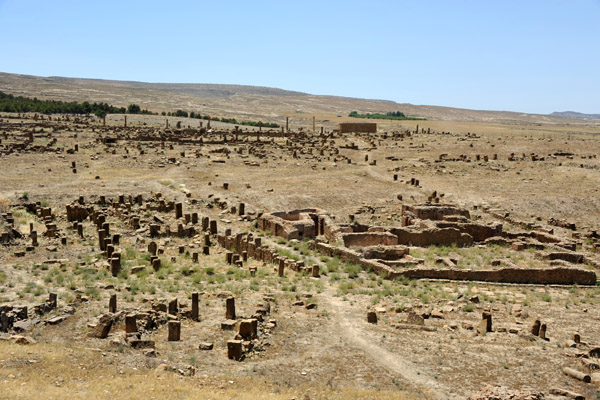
x,y
229,120
394,115
318,323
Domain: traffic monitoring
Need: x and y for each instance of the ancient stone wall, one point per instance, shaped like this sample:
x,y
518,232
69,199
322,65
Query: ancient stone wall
x,y
544,276
479,232
353,257
297,224
369,239
367,127
432,236
433,211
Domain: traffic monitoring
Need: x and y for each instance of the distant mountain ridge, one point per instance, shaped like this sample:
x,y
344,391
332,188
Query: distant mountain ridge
x,y
575,114
243,102
203,90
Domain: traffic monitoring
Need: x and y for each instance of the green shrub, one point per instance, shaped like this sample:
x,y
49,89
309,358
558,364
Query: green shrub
x,y
129,253
333,264
93,292
352,270
547,298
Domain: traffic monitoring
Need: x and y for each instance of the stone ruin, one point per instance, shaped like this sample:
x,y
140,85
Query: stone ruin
x,y
296,224
20,318
441,224
8,233
366,127
386,250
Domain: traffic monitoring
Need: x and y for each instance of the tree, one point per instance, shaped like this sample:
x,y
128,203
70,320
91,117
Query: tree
x,y
133,109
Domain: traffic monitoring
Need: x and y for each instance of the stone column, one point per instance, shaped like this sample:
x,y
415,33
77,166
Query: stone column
x,y
487,317
234,349
130,323
173,306
115,264
372,317
112,304
195,312
315,271
230,308
174,331
152,248
535,328
52,300
101,237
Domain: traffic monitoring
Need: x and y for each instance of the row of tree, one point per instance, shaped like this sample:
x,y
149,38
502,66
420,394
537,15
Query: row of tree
x,y
185,114
20,104
135,109
394,115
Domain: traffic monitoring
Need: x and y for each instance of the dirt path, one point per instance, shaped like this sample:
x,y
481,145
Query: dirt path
x,y
352,332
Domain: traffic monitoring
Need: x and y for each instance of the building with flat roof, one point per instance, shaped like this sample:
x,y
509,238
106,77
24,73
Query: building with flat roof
x,y
368,127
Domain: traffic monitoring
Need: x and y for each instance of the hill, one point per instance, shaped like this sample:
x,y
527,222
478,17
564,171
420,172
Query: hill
x,y
251,102
574,114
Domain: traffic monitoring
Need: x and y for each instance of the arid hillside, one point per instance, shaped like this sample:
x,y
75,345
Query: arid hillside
x,y
251,102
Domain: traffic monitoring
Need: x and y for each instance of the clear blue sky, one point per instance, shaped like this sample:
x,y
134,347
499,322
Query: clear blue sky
x,y
530,56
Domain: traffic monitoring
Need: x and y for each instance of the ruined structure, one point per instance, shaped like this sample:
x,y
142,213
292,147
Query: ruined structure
x,y
296,224
366,127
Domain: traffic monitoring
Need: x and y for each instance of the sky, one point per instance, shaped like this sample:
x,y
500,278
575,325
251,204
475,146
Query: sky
x,y
527,56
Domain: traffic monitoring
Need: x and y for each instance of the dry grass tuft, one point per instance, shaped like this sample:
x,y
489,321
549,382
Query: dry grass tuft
x,y
4,205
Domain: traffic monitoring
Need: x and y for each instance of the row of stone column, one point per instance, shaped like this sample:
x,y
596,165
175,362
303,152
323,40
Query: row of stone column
x,y
242,246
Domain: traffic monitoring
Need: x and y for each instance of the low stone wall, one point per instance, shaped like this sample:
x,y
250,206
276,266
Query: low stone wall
x,y
479,232
369,239
434,212
543,276
432,236
384,252
350,256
